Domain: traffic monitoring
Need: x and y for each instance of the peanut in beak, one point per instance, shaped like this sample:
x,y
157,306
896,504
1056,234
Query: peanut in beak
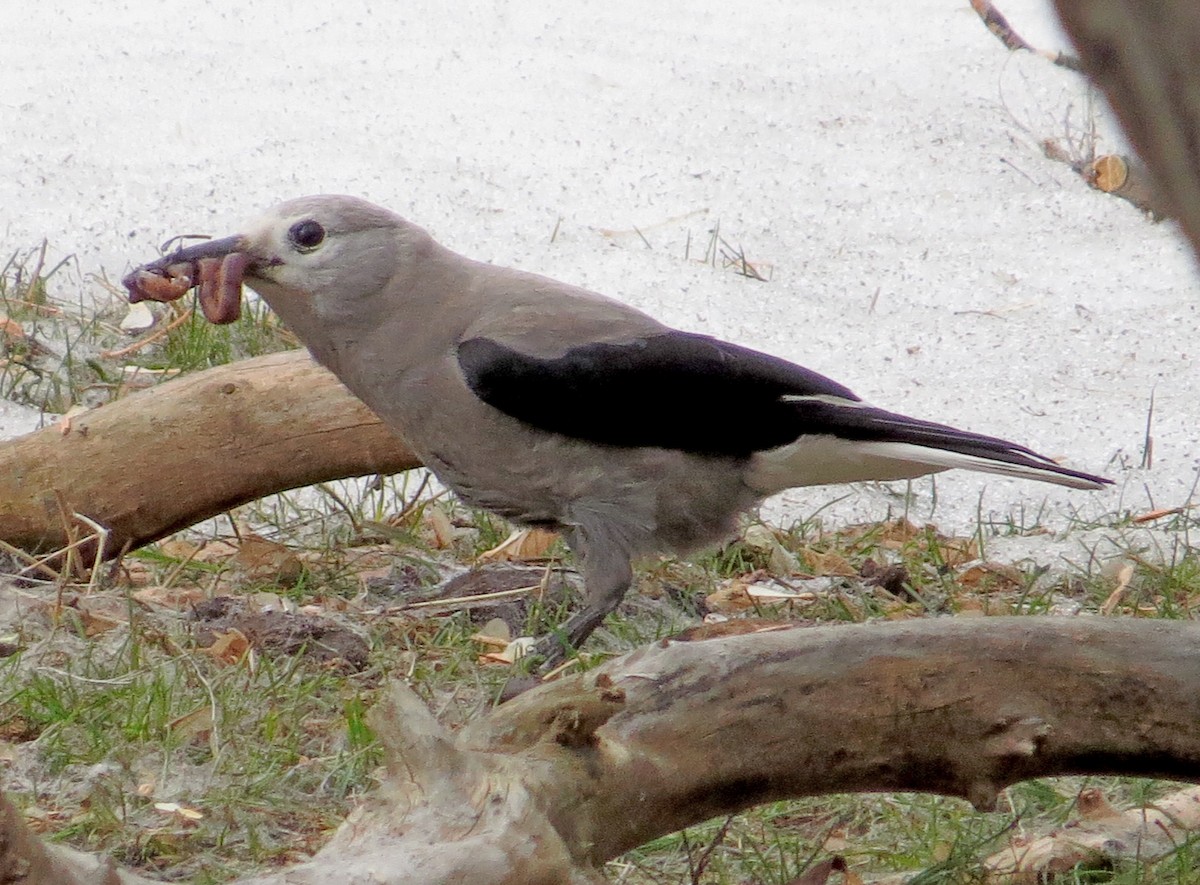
x,y
218,282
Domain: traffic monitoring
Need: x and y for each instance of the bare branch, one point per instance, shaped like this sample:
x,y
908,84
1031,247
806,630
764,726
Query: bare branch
x,y
549,786
205,442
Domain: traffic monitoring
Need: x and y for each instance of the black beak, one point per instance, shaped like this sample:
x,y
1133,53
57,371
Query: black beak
x,y
216,268
207,249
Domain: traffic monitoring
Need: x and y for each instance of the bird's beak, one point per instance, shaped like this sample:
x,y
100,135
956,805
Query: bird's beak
x,y
216,268
206,249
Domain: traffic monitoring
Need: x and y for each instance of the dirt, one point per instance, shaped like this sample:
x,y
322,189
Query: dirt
x,y
277,632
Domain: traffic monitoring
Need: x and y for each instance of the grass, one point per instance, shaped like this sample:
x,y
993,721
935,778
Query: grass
x,y
120,733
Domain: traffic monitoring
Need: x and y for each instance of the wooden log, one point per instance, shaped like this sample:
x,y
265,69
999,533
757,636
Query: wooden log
x,y
166,458
546,788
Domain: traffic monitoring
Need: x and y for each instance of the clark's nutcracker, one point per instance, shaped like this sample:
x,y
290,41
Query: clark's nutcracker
x,y
555,406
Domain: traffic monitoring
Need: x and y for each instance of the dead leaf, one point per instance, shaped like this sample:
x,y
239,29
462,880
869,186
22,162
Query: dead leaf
x,y
828,563
42,820
991,577
11,330
835,840
1124,576
438,520
267,602
1152,515
494,633
521,546
751,591
137,573
899,533
981,607
218,550
197,723
173,598
956,552
99,614
730,627
182,549
894,534
181,811
1094,805
137,318
897,610
781,562
731,597
771,592
511,653
369,577
228,647
819,873
264,561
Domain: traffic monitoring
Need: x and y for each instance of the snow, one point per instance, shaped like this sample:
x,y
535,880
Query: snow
x,y
883,163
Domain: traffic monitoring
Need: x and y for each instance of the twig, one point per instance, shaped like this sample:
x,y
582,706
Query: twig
x,y
37,271
149,339
706,855
998,25
100,533
1148,445
736,258
459,601
31,561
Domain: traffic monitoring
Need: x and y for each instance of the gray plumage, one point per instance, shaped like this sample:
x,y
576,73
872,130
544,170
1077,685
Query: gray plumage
x,y
555,406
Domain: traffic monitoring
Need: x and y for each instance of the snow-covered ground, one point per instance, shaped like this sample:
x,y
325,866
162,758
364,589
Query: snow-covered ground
x,y
881,162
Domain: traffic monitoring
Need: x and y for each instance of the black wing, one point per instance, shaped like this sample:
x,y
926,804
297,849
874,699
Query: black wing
x,y
676,390
697,394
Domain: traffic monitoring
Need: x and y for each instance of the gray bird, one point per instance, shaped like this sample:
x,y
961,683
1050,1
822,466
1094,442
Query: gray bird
x,y
555,406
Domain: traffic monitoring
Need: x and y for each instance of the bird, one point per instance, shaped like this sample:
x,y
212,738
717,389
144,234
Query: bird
x,y
558,407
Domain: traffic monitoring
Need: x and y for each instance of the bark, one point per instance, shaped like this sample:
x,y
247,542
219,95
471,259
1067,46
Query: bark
x,y
1143,54
162,459
548,787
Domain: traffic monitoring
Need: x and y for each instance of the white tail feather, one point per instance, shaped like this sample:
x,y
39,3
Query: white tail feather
x,y
819,460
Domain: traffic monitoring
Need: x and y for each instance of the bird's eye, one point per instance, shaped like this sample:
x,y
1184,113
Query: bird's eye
x,y
306,235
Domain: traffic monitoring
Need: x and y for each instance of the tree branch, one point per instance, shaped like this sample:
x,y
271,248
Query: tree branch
x,y
549,786
166,458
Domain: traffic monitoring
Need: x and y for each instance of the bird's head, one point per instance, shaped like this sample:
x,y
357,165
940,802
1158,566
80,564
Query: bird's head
x,y
312,258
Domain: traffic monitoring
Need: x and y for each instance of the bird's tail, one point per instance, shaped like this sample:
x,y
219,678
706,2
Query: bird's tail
x,y
858,442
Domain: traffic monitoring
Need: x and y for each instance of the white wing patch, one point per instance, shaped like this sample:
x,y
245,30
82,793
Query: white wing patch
x,y
828,398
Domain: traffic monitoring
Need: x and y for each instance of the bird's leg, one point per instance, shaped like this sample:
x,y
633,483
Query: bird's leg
x,y
607,574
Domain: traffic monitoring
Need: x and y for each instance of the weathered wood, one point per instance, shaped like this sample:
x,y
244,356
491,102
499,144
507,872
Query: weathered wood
x,y
1143,54
166,458
548,787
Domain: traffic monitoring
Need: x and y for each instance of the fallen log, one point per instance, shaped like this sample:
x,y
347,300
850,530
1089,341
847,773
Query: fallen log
x,y
162,459
546,788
